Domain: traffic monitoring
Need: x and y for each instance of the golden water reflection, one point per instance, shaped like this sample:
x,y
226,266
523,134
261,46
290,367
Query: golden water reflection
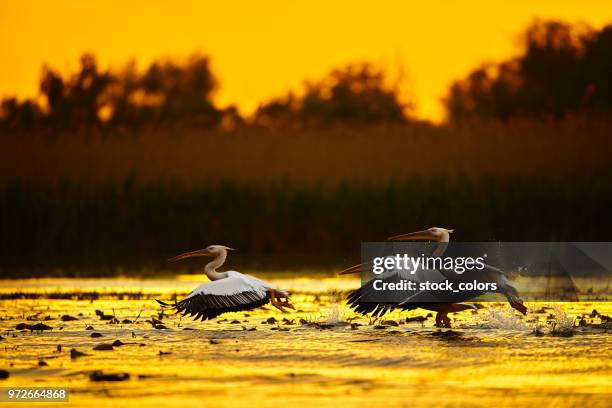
x,y
312,356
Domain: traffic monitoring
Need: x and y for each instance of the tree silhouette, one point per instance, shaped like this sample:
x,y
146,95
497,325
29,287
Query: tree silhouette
x,y
19,115
165,93
353,94
598,66
563,69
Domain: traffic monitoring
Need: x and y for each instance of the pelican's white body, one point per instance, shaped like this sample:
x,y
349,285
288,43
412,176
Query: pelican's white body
x,y
232,284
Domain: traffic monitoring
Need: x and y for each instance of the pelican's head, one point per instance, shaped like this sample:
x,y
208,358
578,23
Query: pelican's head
x,y
430,234
211,250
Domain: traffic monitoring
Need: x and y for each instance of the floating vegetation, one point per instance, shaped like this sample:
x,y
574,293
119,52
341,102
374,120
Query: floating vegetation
x,y
104,347
419,319
446,333
603,318
74,353
76,295
104,316
101,376
40,327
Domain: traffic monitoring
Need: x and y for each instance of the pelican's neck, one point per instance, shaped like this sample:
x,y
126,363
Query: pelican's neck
x,y
211,268
442,244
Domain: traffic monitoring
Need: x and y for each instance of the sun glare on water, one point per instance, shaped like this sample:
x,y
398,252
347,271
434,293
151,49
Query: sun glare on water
x,y
305,355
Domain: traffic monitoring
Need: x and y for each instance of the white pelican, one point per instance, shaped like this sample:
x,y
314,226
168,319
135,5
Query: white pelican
x,y
229,291
419,299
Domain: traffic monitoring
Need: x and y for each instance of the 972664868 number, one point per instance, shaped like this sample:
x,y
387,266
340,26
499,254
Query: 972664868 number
x,y
32,394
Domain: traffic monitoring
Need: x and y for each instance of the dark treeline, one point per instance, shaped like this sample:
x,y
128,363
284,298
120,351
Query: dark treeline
x,y
562,69
168,93
357,93
165,93
42,228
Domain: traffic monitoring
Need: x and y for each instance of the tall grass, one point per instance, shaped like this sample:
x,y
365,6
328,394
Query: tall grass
x,y
309,197
372,155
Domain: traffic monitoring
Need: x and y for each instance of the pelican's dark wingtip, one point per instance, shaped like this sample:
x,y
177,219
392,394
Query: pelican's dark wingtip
x,y
163,304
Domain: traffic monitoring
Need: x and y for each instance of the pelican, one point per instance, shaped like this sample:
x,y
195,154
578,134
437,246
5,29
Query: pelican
x,y
229,291
418,300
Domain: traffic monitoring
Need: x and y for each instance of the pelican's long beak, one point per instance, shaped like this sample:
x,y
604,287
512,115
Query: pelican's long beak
x,y
199,252
352,269
425,235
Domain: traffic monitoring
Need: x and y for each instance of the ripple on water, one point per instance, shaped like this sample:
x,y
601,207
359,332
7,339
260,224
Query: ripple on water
x,y
323,353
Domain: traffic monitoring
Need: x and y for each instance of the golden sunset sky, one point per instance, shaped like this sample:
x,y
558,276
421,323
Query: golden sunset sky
x,y
261,49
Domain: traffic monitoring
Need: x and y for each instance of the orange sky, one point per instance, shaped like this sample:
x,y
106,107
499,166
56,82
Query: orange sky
x,y
261,49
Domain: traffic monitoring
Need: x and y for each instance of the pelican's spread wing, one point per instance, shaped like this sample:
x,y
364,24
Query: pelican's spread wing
x,y
234,293
376,309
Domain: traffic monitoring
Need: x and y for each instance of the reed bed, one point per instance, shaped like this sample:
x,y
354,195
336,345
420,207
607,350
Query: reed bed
x,y
284,198
330,156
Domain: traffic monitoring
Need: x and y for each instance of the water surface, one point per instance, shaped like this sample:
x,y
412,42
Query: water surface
x,y
312,356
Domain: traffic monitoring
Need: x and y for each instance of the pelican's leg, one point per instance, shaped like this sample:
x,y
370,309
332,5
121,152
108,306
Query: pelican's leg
x,y
518,305
281,295
442,320
286,302
275,302
514,299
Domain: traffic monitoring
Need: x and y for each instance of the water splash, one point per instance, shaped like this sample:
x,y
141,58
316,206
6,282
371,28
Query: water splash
x,y
335,314
562,323
498,319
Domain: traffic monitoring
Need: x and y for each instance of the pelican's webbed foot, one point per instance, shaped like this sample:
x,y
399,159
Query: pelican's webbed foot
x,y
518,305
275,301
